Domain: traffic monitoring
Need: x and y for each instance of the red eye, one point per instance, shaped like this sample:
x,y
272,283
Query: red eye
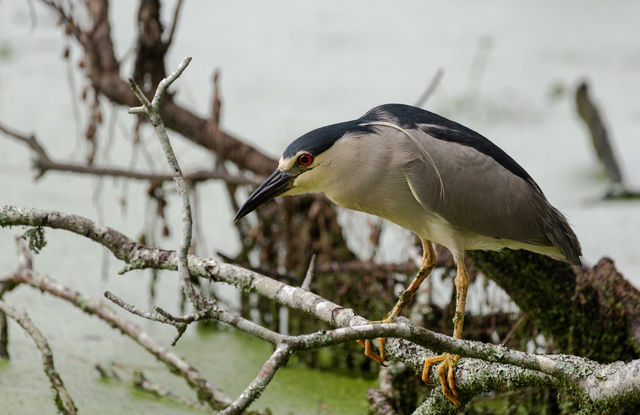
x,y
305,159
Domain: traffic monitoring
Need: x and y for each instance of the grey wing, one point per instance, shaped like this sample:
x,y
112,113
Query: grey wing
x,y
474,192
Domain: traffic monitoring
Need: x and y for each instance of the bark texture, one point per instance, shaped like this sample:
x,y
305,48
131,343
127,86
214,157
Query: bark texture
x,y
592,312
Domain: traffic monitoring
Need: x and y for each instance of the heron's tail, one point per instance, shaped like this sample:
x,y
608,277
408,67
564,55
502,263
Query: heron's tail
x,y
556,228
561,235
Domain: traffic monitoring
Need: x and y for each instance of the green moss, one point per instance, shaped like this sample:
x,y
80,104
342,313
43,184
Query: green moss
x,y
35,239
568,308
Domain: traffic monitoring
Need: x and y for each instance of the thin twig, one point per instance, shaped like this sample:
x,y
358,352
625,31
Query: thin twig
x,y
430,89
247,326
43,163
29,140
180,323
63,399
174,23
517,324
166,83
257,386
213,312
309,276
140,381
134,310
107,373
152,110
67,18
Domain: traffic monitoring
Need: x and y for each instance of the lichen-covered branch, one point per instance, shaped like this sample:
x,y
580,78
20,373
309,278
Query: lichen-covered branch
x,y
499,369
152,110
205,391
63,399
379,402
255,388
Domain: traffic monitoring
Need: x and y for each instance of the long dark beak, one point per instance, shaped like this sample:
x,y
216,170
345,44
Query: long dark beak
x,y
276,184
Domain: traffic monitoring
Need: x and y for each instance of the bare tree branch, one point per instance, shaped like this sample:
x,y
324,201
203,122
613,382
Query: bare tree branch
x,y
43,163
202,305
205,391
140,381
174,23
430,89
102,69
94,170
63,399
29,140
590,114
309,275
152,110
595,385
257,386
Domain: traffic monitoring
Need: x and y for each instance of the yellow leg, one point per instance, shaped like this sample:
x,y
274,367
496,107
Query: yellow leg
x,y
426,265
368,351
449,361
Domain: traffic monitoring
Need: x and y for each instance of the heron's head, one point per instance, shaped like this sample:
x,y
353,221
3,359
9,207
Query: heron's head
x,y
309,164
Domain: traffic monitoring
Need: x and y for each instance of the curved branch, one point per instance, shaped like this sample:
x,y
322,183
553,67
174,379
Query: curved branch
x,y
207,392
473,376
43,163
174,24
252,392
64,402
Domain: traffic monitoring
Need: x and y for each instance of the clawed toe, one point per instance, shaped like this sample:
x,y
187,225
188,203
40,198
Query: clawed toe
x,y
368,351
445,374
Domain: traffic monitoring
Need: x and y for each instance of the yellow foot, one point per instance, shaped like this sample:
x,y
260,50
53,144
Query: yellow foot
x,y
368,351
445,373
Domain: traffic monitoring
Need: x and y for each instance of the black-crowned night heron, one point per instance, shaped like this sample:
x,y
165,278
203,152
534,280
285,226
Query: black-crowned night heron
x,y
439,179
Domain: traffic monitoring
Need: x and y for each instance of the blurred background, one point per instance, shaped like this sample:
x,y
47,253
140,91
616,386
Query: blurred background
x,y
509,71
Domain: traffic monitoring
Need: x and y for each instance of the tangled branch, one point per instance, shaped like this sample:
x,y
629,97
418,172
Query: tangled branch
x,y
594,385
487,367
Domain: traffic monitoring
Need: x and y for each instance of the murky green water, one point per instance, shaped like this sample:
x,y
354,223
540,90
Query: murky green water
x,y
227,358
